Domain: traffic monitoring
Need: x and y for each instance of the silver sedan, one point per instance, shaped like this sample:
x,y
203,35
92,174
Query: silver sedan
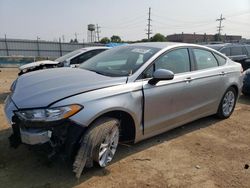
x,y
125,94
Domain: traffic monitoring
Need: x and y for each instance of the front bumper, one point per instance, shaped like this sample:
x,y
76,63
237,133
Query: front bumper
x,y
35,136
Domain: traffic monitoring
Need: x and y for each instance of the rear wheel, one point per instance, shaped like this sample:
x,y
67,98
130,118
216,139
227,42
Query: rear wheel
x,y
227,104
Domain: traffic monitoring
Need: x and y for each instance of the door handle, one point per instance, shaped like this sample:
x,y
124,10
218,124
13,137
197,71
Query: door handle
x,y
222,73
188,79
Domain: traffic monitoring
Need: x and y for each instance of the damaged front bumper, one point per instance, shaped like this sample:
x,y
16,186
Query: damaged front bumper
x,y
35,136
63,136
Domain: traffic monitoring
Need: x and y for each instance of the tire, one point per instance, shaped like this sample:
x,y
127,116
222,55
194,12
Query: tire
x,y
98,144
227,104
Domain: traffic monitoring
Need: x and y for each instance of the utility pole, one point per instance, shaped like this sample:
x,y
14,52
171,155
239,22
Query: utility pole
x,y
63,38
149,30
76,36
220,24
6,45
98,32
38,48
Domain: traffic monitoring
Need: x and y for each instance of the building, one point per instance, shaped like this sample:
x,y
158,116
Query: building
x,y
202,38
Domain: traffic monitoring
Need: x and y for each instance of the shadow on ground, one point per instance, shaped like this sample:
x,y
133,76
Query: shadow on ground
x,y
23,167
244,100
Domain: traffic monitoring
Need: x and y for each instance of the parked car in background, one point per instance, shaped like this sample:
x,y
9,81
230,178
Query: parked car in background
x,y
246,83
125,94
72,59
237,52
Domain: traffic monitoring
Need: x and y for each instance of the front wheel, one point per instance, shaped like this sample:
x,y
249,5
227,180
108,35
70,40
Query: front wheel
x,y
99,144
227,104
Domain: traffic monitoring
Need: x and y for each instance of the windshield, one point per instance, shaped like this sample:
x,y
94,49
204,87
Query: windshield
x,y
69,55
119,61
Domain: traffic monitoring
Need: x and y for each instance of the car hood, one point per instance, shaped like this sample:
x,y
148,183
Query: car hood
x,y
37,63
41,88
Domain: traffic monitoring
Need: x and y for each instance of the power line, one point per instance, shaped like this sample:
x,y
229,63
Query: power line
x,y
149,30
220,24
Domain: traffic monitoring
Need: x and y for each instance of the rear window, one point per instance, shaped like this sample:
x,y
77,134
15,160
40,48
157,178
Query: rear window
x,y
225,51
236,51
248,49
204,59
221,60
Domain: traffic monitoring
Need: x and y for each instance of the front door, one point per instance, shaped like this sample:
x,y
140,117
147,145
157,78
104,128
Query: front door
x,y
165,103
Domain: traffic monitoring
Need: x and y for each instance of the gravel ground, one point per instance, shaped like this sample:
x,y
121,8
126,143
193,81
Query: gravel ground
x,y
206,153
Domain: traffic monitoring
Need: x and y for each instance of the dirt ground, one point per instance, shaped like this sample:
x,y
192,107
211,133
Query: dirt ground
x,y
206,153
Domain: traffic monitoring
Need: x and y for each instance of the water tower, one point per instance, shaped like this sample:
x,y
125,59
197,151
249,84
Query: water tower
x,y
91,33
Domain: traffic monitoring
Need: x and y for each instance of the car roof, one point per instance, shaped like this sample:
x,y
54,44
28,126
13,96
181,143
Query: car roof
x,y
94,48
219,46
160,45
164,45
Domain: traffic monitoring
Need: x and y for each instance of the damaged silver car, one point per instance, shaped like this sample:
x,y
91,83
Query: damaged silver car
x,y
125,94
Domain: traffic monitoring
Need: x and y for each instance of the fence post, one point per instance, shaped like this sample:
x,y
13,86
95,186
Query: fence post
x,y
38,50
6,45
60,46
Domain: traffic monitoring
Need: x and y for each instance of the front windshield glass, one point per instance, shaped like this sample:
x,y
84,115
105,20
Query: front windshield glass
x,y
119,61
68,55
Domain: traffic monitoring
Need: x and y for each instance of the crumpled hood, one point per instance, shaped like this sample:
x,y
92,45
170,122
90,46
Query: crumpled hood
x,y
41,88
37,63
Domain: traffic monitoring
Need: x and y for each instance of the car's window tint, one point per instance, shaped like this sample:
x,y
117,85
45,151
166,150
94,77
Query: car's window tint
x,y
85,56
204,59
148,73
236,51
177,61
221,60
248,50
120,61
225,51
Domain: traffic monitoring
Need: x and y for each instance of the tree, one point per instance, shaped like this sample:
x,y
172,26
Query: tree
x,y
144,40
217,37
115,38
158,38
105,40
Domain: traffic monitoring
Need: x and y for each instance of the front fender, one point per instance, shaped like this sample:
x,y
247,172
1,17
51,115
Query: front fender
x,y
127,98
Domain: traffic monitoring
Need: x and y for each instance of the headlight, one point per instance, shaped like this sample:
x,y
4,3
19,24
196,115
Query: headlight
x,y
13,86
49,114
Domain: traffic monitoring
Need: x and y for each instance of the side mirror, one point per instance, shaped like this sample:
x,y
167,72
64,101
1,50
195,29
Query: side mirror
x,y
161,74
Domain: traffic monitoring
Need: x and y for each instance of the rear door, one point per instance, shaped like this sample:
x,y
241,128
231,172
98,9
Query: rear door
x,y
207,84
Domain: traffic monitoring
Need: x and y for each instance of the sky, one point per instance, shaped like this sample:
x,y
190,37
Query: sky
x,y
54,19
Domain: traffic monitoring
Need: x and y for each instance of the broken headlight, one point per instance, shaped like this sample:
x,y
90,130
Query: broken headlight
x,y
49,114
13,86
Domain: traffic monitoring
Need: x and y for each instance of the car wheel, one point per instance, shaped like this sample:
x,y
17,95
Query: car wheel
x,y
227,104
99,144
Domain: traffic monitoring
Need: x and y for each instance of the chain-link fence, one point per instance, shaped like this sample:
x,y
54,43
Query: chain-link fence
x,y
38,48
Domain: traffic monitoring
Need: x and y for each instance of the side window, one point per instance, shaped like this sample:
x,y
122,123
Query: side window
x,y
236,51
177,61
204,59
248,50
225,51
221,60
85,56
149,72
